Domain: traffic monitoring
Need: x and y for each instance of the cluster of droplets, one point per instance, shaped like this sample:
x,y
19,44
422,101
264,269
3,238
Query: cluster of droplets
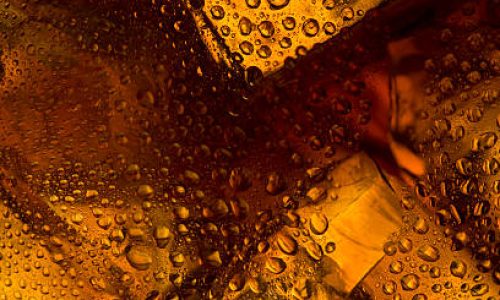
x,y
455,130
264,34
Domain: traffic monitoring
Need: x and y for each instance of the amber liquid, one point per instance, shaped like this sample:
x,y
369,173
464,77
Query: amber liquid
x,y
257,149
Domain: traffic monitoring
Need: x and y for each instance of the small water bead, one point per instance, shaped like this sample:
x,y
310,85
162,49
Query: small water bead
x,y
446,85
182,212
139,259
457,133
389,288
289,23
236,283
225,30
329,4
347,13
266,29
491,166
410,282
458,268
213,258
314,250
310,27
246,47
161,235
217,12
318,223
390,248
428,253
145,191
286,43
423,268
405,245
245,26
396,267
475,115
255,285
437,288
330,247
264,51
464,166
278,4
275,265
287,244
421,226
329,28
479,289
177,259
484,141
253,3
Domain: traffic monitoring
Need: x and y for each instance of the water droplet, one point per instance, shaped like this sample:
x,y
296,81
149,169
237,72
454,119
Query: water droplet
x,y
266,29
458,268
310,27
410,282
287,244
138,258
318,223
217,12
428,253
278,4
253,3
275,265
